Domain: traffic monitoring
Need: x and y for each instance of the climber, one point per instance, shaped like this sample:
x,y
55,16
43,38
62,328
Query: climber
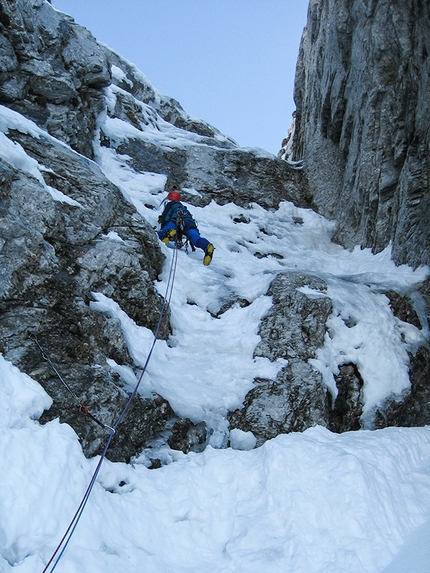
x,y
176,221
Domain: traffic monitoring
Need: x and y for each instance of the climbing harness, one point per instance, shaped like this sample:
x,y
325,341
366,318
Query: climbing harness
x,y
81,407
181,238
59,551
183,242
178,240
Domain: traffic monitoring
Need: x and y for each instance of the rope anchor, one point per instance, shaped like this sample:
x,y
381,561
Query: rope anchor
x,y
85,410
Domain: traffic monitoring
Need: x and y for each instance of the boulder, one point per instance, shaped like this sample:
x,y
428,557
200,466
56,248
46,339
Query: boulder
x,y
293,329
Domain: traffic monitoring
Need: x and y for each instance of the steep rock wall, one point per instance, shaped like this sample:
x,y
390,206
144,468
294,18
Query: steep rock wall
x,y
362,123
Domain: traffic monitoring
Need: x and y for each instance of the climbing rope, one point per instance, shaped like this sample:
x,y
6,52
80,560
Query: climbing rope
x,y
52,365
59,551
81,407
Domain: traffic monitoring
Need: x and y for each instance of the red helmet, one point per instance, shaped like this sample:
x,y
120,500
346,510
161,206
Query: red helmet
x,y
173,196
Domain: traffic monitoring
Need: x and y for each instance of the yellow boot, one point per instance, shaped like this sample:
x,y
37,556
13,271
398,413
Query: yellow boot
x,y
169,236
208,254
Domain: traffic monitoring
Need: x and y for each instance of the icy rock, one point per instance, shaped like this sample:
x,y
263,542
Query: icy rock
x,y
67,232
414,410
54,255
362,122
293,329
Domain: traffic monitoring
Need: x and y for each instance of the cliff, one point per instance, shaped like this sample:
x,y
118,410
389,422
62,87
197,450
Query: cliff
x,y
362,123
88,149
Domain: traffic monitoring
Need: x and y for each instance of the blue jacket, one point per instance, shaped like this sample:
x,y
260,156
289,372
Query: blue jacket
x,y
177,213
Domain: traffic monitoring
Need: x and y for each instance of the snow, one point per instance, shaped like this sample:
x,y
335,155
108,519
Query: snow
x,y
240,440
120,75
156,129
13,153
312,502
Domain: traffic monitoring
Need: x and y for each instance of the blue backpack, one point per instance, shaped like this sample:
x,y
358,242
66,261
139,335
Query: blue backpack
x,y
180,215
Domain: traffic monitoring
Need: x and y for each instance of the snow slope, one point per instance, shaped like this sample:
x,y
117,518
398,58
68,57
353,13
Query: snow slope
x,y
314,502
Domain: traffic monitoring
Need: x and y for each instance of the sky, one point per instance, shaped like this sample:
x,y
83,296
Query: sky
x,y
228,62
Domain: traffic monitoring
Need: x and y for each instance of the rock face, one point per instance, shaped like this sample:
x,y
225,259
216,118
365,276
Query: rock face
x,y
362,129
56,249
293,329
54,254
216,167
52,71
362,123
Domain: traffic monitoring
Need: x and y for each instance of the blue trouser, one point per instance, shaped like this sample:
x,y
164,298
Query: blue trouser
x,y
193,235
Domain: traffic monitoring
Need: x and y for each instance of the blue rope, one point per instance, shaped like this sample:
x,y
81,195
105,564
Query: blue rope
x,y
73,524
